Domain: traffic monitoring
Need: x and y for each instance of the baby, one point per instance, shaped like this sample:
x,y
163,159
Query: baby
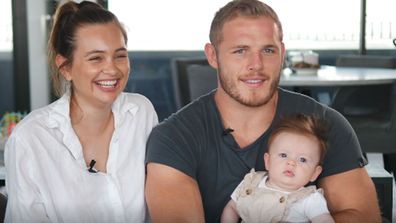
x,y
296,150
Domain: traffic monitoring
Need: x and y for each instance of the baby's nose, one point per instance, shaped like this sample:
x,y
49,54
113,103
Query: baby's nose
x,y
291,162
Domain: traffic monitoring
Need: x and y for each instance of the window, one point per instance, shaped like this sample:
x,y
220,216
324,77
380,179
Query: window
x,y
308,24
6,26
380,24
312,24
166,25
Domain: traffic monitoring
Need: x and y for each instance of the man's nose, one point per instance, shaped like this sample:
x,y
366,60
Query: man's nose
x,y
256,62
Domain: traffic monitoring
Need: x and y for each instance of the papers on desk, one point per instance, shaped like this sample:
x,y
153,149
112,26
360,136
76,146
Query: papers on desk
x,y
306,71
300,71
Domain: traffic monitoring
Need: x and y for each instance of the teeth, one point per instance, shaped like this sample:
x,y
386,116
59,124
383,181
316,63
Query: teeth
x,y
253,81
107,83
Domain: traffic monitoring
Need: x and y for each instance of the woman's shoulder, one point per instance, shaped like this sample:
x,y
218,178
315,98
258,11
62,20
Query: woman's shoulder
x,y
127,98
34,118
135,105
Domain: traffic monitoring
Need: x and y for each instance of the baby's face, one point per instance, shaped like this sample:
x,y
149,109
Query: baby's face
x,y
292,161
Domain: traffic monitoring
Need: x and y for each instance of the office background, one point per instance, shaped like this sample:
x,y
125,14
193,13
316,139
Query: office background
x,y
159,31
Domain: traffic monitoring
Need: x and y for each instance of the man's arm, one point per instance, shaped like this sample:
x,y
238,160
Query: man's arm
x,y
351,196
172,196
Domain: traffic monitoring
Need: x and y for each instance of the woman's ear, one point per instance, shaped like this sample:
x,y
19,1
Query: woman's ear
x,y
59,61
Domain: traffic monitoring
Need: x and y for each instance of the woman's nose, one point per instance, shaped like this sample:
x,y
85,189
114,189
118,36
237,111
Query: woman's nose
x,y
109,67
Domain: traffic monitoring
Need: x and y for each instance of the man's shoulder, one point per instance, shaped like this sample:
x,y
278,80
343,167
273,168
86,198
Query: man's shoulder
x,y
296,102
196,110
294,97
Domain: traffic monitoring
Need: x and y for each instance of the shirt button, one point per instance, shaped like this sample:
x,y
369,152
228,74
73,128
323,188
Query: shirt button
x,y
282,199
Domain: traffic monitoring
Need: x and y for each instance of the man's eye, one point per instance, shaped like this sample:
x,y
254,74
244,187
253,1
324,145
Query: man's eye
x,y
239,51
269,51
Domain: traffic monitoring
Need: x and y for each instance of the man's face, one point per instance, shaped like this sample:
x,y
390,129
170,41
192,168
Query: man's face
x,y
249,60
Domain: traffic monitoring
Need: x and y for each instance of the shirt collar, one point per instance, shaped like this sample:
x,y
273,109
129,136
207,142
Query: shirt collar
x,y
59,117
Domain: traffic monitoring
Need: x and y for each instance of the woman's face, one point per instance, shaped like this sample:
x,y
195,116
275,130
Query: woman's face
x,y
100,67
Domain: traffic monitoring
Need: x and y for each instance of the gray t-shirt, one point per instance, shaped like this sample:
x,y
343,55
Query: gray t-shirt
x,y
194,141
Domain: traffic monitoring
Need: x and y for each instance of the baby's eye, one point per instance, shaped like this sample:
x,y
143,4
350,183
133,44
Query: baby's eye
x,y
303,159
282,155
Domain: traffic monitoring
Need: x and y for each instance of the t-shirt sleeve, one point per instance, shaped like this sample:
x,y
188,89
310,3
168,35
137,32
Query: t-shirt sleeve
x,y
343,152
235,194
315,205
170,146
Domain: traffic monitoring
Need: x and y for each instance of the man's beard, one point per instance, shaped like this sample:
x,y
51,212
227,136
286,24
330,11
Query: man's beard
x,y
230,88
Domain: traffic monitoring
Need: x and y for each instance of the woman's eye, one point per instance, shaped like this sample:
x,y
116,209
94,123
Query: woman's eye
x,y
121,56
94,58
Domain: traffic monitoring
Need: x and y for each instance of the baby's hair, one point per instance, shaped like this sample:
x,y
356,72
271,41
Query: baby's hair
x,y
304,125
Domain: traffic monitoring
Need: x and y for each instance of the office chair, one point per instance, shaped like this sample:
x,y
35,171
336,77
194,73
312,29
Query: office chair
x,y
370,109
3,205
191,77
201,80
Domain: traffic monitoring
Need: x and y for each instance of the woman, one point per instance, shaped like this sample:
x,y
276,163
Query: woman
x,y
81,158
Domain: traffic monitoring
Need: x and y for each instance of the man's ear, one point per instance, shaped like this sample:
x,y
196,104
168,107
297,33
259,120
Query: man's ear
x,y
210,53
283,50
318,170
59,61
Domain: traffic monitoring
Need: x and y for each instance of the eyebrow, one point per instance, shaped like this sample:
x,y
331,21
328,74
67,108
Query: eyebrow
x,y
102,51
247,46
240,46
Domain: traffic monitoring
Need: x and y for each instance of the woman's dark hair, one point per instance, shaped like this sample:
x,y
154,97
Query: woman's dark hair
x,y
67,19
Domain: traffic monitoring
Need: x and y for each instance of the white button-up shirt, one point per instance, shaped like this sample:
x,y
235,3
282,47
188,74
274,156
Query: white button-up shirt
x,y
47,178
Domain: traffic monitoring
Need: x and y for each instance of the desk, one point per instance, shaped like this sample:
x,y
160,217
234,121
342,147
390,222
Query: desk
x,y
340,76
328,79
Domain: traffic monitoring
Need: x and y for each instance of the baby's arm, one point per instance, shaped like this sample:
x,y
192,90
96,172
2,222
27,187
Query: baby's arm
x,y
230,213
323,218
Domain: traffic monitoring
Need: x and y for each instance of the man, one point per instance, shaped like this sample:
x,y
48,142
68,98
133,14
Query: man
x,y
198,156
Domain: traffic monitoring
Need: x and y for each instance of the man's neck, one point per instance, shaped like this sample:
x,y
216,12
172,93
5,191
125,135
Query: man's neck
x,y
248,123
